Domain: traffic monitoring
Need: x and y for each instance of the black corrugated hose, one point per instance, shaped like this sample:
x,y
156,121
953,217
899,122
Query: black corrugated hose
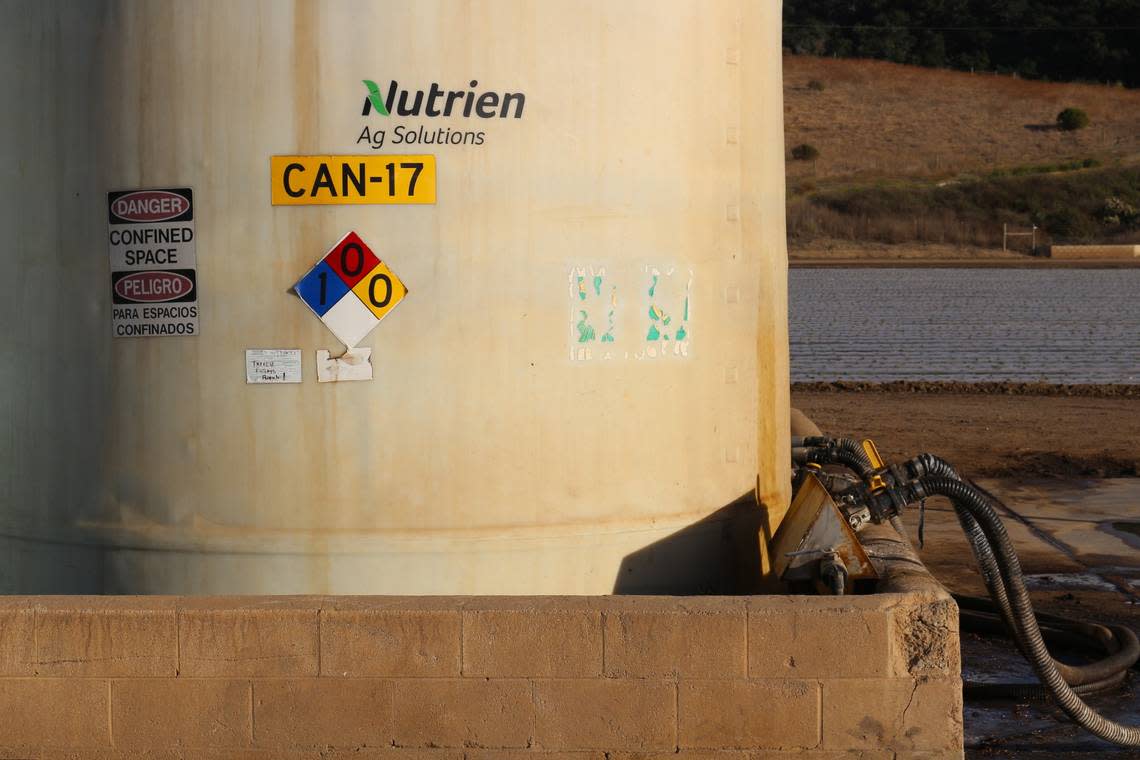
x,y
987,615
1123,650
994,616
1001,571
845,451
994,552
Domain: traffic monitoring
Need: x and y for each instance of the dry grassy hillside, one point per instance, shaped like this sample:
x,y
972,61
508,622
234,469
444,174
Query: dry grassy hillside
x,y
930,163
877,119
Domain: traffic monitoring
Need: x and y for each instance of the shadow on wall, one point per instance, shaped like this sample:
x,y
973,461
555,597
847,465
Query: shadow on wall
x,y
29,566
719,554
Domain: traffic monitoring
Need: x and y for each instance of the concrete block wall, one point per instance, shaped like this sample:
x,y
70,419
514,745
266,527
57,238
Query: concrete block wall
x,y
1094,251
464,678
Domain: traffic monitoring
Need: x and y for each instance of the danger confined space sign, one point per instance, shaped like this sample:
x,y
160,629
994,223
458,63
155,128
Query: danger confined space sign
x,y
154,267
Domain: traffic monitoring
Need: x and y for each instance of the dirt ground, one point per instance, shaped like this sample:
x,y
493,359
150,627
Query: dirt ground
x,y
1063,461
988,430
859,253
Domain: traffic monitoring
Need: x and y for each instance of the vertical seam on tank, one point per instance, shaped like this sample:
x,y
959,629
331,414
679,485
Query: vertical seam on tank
x,y
733,64
738,117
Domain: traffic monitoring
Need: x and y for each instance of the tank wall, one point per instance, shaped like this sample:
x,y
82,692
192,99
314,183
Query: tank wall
x,y
55,366
763,228
489,454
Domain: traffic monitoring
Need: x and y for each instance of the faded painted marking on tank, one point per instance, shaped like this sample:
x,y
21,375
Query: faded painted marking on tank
x,y
596,316
669,293
593,313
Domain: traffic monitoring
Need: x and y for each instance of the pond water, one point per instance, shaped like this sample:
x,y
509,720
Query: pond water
x,y
1053,325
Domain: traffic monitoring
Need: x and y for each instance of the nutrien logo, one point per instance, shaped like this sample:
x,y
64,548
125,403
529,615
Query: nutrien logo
x,y
374,100
439,102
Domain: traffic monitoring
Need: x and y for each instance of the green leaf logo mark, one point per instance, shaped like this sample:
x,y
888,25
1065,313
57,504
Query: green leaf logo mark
x,y
374,97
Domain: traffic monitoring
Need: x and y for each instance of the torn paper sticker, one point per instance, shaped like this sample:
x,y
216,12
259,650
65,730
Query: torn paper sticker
x,y
353,364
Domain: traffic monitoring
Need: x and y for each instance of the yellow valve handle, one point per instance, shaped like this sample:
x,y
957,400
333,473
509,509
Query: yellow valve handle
x,y
873,454
877,463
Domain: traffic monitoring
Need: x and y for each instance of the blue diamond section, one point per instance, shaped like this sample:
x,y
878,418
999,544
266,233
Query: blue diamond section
x,y
321,288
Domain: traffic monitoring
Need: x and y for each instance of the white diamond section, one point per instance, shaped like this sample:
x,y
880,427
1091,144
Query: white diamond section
x,y
350,320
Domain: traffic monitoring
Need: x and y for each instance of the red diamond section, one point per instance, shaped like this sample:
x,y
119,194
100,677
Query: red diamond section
x,y
351,259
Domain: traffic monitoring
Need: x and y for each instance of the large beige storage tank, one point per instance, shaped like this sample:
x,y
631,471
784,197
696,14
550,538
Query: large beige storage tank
x,y
590,364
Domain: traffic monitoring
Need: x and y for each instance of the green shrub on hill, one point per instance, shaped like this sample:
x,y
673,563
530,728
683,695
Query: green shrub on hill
x,y
1117,212
805,152
1068,223
1072,119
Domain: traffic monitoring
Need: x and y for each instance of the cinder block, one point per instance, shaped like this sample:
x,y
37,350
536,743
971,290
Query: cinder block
x,y
896,714
175,753
809,642
755,754
748,714
524,603
364,603
29,753
386,753
47,712
106,642
248,642
676,644
316,712
925,638
17,642
462,713
605,714
533,754
390,643
164,713
532,643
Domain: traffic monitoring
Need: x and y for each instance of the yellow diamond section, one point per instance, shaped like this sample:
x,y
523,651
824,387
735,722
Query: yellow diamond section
x,y
380,290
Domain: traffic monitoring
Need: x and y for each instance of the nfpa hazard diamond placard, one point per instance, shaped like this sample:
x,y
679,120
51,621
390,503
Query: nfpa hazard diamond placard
x,y
350,289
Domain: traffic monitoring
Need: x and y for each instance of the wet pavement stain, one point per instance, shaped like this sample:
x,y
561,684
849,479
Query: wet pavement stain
x,y
1127,530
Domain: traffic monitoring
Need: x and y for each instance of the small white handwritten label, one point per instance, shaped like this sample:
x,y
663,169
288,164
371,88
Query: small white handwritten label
x,y
272,365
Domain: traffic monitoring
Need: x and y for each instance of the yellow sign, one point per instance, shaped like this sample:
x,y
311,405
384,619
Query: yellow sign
x,y
324,180
380,290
